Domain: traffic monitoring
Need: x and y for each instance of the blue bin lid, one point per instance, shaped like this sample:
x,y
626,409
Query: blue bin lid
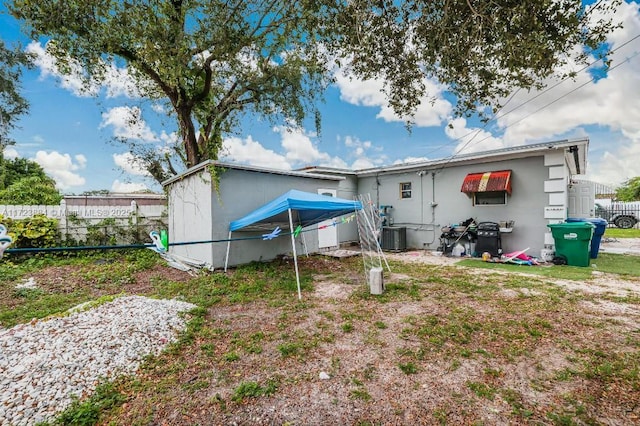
x,y
594,220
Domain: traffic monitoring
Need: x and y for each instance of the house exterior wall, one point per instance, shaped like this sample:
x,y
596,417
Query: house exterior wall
x,y
348,190
437,201
198,213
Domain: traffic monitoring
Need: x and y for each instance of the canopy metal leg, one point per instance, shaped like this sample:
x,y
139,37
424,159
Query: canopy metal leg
x,y
295,255
226,260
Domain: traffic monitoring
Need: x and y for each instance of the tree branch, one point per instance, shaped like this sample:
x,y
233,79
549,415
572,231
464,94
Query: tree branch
x,y
134,59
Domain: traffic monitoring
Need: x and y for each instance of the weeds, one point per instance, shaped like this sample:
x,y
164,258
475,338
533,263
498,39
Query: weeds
x,y
408,368
253,390
87,413
482,390
454,318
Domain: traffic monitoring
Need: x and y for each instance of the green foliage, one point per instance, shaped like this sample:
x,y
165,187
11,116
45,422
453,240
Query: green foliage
x,y
31,190
481,50
253,390
606,262
36,231
18,168
360,393
630,190
87,413
622,233
289,349
24,181
213,62
12,104
28,293
347,327
408,368
482,390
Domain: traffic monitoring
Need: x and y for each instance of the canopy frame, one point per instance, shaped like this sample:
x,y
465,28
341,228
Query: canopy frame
x,y
335,207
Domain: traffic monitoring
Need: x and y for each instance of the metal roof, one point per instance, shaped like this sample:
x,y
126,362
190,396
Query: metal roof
x,y
257,169
576,162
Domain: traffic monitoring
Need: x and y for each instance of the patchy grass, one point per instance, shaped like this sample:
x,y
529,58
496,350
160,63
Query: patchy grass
x,y
88,412
487,346
622,233
64,281
606,262
253,390
622,264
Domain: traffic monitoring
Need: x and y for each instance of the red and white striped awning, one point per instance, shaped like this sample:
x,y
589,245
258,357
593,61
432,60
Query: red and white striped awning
x,y
487,182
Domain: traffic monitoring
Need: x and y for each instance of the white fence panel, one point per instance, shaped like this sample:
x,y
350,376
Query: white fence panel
x,y
97,224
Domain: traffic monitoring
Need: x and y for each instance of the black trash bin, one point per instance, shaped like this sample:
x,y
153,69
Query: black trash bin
x,y
489,239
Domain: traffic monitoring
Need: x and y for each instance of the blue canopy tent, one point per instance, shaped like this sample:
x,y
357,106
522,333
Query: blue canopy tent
x,y
292,208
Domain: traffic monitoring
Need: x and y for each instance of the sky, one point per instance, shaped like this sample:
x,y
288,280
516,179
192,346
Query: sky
x,y
70,129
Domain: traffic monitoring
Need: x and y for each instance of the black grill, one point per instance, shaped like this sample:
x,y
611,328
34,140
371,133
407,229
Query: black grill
x,y
489,239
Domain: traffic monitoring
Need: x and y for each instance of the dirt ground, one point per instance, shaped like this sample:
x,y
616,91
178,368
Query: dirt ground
x,y
443,345
515,354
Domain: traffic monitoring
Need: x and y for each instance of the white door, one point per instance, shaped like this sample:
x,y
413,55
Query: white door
x,y
582,200
327,233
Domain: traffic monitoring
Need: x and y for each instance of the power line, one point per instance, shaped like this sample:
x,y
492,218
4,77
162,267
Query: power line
x,y
497,116
571,91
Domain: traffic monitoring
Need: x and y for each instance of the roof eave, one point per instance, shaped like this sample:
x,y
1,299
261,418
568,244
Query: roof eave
x,y
257,169
511,152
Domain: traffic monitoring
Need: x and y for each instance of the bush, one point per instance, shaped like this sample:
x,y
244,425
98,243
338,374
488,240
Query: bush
x,y
36,231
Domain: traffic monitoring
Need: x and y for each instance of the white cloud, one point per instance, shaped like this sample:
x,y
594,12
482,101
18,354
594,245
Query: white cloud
x,y
471,139
117,81
617,164
127,123
610,104
362,163
10,153
61,167
158,108
125,187
299,151
248,151
411,160
73,82
130,164
38,139
169,138
299,148
432,111
359,152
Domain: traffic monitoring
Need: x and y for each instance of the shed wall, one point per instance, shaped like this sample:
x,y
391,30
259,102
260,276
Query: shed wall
x,y
198,213
241,192
190,216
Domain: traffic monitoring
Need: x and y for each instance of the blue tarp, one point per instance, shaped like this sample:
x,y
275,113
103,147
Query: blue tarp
x,y
306,208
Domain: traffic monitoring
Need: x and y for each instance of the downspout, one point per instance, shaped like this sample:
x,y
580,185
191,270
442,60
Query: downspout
x,y
421,173
377,190
433,198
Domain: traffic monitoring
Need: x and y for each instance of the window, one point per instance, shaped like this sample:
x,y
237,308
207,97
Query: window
x,y
490,198
488,188
405,190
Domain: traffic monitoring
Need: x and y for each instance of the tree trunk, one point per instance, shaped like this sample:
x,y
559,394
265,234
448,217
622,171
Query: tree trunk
x,y
188,131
